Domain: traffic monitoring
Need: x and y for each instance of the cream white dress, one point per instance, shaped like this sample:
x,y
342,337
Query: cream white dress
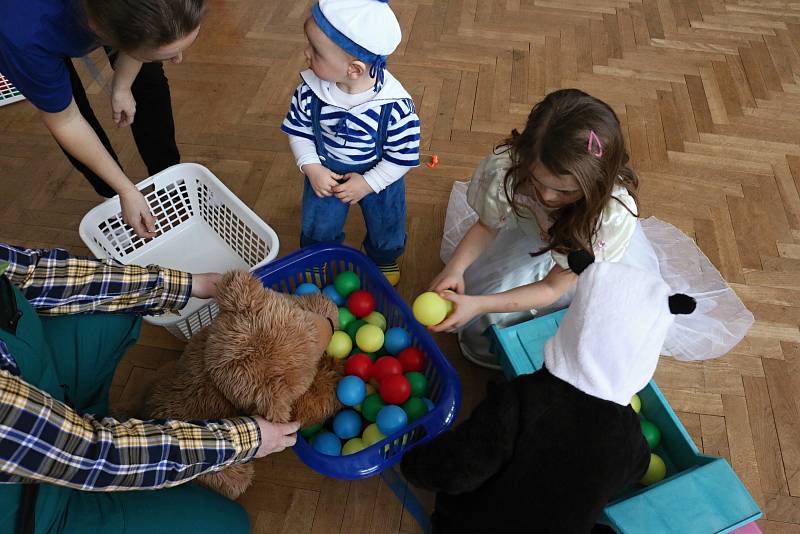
x,y
719,323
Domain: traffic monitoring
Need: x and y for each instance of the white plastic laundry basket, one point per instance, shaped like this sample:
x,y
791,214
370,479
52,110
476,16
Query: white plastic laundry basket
x,y
201,227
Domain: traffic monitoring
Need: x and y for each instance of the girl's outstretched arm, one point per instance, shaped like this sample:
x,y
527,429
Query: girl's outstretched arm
x,y
468,250
536,295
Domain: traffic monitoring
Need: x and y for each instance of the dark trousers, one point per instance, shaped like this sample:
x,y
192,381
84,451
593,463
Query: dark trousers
x,y
153,126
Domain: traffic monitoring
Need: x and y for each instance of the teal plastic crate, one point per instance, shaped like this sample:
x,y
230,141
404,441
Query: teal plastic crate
x,y
701,494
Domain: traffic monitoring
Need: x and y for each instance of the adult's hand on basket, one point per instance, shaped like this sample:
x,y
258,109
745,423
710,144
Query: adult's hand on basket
x,y
465,308
136,213
275,436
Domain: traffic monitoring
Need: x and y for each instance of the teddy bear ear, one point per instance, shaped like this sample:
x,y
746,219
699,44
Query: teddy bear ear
x,y
579,260
238,291
681,304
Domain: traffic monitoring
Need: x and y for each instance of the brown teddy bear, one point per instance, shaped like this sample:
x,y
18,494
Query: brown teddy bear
x,y
263,355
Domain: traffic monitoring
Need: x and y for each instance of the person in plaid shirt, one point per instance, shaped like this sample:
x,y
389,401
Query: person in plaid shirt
x,y
65,322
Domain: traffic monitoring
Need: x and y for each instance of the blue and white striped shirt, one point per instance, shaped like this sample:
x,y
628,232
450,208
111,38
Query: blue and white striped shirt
x,y
349,133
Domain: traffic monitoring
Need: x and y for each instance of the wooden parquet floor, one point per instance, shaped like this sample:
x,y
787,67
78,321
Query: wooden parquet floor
x,y
709,95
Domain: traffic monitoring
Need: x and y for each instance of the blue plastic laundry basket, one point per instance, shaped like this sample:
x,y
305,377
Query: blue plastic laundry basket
x,y
319,265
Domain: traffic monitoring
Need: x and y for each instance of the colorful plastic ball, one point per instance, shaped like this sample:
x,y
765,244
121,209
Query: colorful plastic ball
x,y
353,328
347,424
353,446
428,403
359,365
418,382
377,319
651,433
310,431
371,435
369,338
415,408
385,366
656,471
396,339
411,359
395,389
345,318
636,403
306,289
330,292
351,390
327,443
361,303
371,406
346,283
391,419
430,309
340,345
371,389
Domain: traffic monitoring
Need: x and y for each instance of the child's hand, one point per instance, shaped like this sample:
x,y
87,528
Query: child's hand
x,y
321,178
448,279
353,190
465,309
204,285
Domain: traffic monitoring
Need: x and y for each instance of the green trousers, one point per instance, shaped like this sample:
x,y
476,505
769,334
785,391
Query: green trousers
x,y
85,352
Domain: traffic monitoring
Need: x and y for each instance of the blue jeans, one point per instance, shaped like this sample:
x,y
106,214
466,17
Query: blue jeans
x,y
384,216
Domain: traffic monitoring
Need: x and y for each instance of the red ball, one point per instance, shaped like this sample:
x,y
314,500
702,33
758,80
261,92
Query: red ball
x,y
359,365
386,366
411,359
395,389
361,303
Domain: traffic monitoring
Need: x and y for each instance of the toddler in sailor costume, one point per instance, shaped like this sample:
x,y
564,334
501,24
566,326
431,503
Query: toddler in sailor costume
x,y
547,451
353,128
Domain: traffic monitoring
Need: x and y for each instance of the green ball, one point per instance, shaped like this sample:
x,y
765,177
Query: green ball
x,y
418,382
415,408
651,433
377,319
656,471
371,406
353,327
352,446
310,431
346,283
346,317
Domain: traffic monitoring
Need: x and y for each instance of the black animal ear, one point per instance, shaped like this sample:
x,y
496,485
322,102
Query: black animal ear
x,y
680,304
579,260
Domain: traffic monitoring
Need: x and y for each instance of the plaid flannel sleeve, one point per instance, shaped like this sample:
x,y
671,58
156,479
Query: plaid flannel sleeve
x,y
57,283
45,440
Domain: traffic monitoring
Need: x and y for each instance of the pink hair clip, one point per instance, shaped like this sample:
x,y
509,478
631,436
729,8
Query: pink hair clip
x,y
595,146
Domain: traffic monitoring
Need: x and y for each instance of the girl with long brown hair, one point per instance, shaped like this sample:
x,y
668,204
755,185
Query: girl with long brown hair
x,y
564,183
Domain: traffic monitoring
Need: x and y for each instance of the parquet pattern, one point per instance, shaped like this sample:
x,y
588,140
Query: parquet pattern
x,y
709,95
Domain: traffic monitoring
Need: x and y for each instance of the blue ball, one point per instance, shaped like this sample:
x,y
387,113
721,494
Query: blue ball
x,y
428,403
327,443
396,339
330,292
351,390
347,424
306,289
390,419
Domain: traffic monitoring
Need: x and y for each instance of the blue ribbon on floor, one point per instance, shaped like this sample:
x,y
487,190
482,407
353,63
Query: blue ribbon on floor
x,y
407,498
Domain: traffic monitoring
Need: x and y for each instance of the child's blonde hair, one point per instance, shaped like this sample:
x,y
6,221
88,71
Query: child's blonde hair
x,y
571,133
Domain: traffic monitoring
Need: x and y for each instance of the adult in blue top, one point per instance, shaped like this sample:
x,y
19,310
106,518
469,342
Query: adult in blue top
x,y
38,38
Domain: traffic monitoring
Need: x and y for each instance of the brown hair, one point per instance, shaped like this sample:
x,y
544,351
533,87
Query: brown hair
x,y
557,136
129,25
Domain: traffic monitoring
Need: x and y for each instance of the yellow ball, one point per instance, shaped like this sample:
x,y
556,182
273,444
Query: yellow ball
x,y
430,309
370,390
377,319
656,471
371,435
636,403
340,345
353,446
369,338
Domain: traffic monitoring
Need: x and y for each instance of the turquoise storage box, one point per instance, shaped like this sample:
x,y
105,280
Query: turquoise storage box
x,y
701,494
